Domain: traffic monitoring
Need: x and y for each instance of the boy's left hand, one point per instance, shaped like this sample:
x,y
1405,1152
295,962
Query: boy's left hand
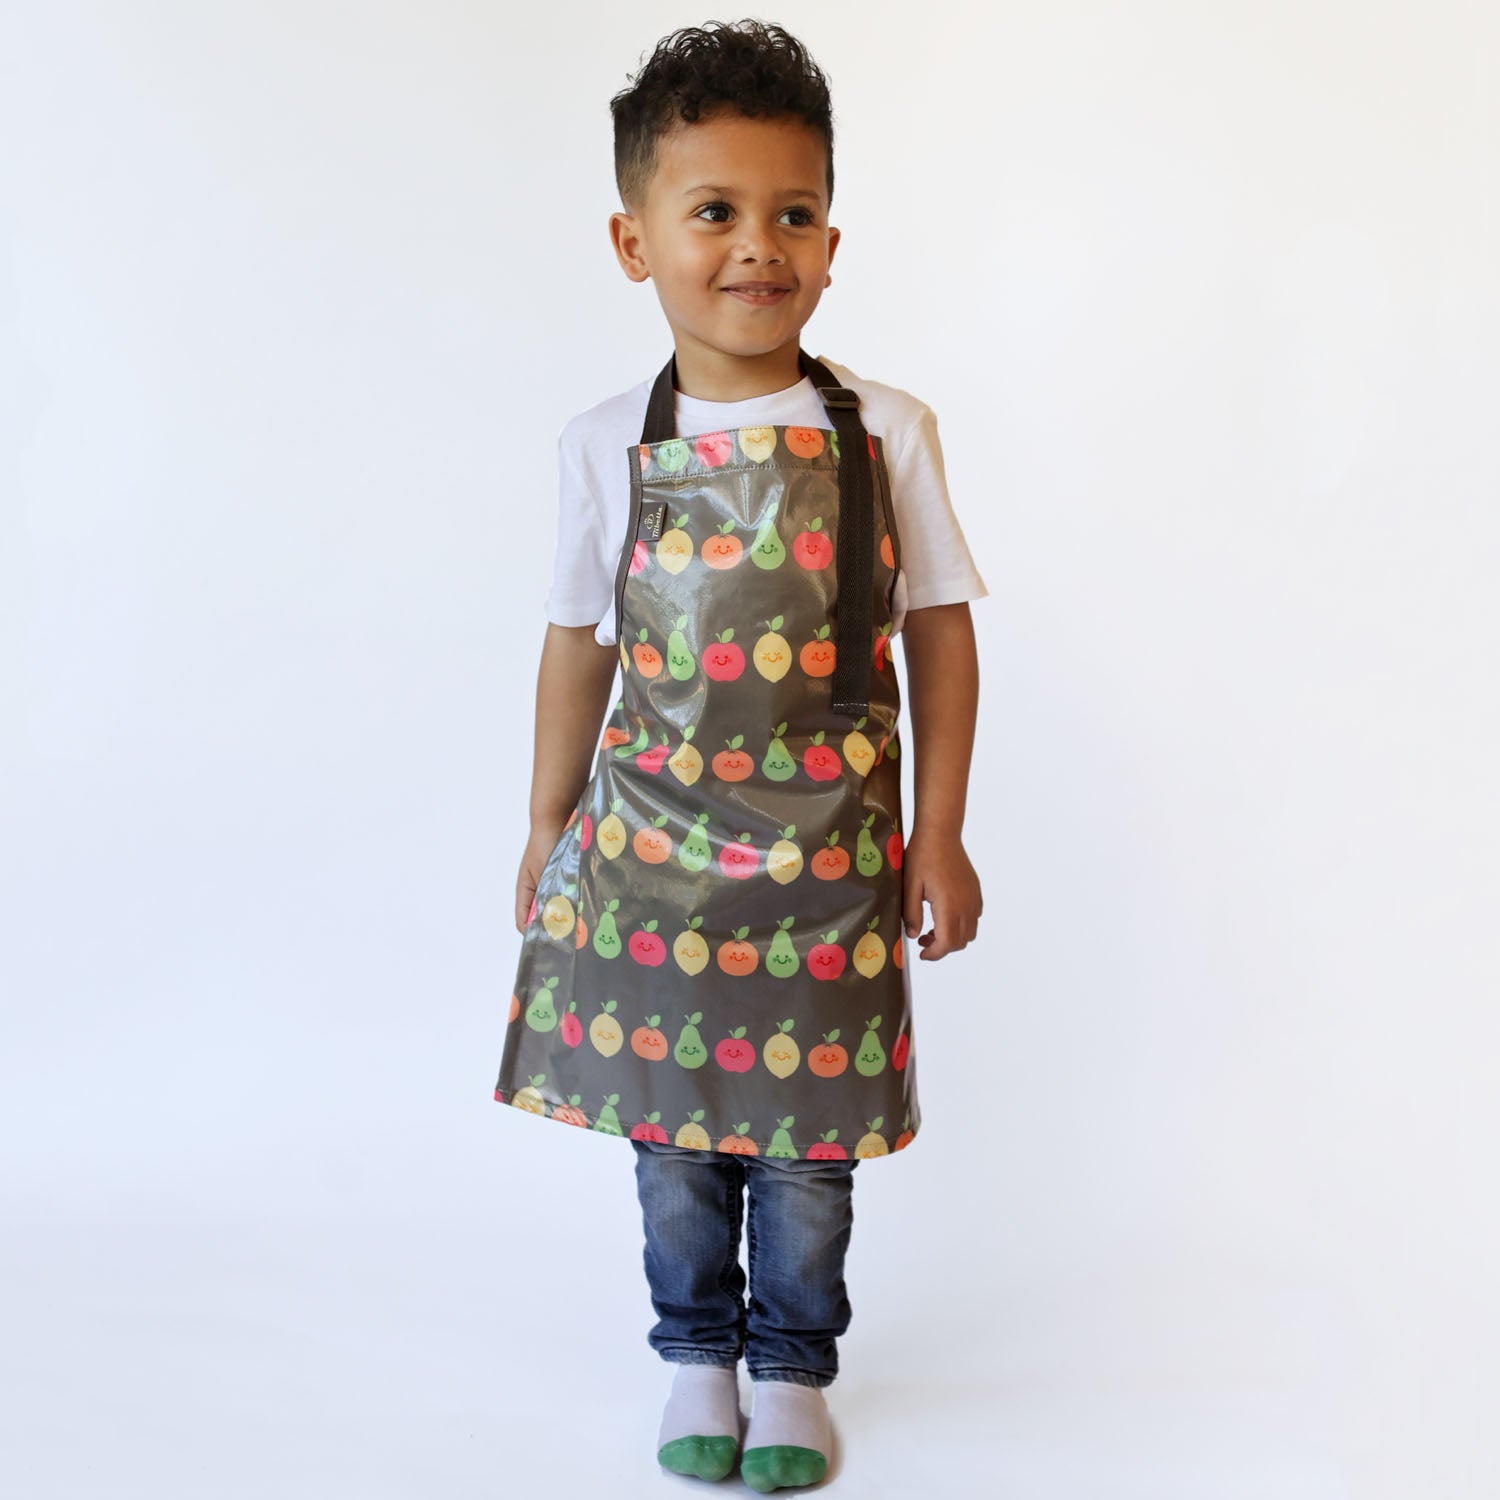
x,y
937,869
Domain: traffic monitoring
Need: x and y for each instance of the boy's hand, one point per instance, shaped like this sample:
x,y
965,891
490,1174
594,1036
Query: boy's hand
x,y
539,847
937,869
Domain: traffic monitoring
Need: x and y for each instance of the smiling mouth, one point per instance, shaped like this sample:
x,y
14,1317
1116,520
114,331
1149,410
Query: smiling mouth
x,y
759,298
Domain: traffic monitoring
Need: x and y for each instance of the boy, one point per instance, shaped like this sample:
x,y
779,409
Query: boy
x,y
723,152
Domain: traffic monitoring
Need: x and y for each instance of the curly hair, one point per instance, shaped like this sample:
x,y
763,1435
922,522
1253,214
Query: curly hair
x,y
756,68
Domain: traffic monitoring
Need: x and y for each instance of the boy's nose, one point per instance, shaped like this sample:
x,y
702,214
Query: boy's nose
x,y
759,244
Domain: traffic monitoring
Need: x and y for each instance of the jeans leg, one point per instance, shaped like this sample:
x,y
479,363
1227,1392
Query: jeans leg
x,y
691,1207
799,1221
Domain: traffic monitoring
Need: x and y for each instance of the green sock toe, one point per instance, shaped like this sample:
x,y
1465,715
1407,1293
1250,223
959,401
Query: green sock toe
x,y
780,1466
702,1457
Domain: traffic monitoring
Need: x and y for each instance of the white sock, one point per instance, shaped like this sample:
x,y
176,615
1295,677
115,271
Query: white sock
x,y
791,1426
704,1403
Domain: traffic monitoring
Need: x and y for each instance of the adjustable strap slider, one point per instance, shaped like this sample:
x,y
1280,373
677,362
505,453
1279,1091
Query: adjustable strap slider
x,y
839,395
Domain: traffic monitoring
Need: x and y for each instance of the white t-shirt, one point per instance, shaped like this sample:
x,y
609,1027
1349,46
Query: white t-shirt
x,y
594,491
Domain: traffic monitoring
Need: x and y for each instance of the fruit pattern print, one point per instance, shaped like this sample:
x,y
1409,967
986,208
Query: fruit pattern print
x,y
715,955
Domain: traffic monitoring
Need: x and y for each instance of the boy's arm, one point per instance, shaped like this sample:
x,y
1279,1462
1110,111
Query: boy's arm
x,y
942,675
572,692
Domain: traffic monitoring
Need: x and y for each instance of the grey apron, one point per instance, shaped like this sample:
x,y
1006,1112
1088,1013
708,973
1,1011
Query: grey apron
x,y
715,954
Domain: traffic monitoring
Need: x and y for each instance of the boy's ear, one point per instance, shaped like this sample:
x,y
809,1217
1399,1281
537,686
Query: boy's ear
x,y
625,236
833,244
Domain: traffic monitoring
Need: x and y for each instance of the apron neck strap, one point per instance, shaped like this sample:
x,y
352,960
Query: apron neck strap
x,y
853,620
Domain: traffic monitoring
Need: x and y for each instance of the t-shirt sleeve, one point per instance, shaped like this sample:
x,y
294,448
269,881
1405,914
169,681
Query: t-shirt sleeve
x,y
936,565
583,584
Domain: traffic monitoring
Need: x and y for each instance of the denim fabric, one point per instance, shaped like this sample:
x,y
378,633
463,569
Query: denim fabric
x,y
798,1221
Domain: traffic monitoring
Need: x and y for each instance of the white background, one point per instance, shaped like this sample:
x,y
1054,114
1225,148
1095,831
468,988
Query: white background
x,y
293,299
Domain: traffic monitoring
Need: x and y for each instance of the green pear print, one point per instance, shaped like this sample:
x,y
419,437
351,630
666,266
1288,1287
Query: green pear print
x,y
680,661
781,956
870,1059
779,764
690,1051
868,859
606,937
696,851
781,1141
541,1015
768,550
608,1121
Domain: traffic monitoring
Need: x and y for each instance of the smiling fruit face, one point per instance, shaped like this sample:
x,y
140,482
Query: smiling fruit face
x,y
757,443
714,448
723,551
817,658
782,1055
691,952
605,1034
782,961
827,1060
869,955
732,765
723,661
739,861
652,845
773,656
736,957
675,550
558,916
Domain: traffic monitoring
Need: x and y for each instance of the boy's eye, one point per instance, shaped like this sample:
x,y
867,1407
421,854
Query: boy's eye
x,y
806,219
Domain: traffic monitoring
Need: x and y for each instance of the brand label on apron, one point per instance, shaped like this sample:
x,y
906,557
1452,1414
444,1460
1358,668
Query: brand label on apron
x,y
653,518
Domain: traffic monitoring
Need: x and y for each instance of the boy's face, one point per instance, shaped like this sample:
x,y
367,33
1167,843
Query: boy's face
x,y
733,201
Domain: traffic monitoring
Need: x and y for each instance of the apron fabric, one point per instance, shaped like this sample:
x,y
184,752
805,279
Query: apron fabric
x,y
715,954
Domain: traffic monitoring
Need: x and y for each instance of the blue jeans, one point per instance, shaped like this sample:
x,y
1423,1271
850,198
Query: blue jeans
x,y
798,1223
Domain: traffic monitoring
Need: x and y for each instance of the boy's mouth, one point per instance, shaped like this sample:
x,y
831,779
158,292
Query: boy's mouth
x,y
759,296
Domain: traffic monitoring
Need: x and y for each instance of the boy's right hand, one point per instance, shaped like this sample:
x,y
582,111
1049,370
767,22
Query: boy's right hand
x,y
539,848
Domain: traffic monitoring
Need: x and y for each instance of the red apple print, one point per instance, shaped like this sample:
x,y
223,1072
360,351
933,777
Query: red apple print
x,y
645,453
585,832
723,661
740,860
570,1026
882,644
645,947
655,758
531,915
826,960
899,1051
812,549
827,1149
895,849
734,1054
648,1129
821,761
640,555
714,448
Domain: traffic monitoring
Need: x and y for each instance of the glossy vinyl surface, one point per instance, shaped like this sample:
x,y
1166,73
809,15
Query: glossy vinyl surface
x,y
715,954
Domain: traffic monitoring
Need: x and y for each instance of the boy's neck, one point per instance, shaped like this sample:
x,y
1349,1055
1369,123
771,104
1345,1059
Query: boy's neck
x,y
708,374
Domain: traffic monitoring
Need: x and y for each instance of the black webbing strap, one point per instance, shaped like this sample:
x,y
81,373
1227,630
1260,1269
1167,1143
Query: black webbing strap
x,y
853,617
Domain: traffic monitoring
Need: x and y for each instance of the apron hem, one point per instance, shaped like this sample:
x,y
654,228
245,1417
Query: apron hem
x,y
587,1122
